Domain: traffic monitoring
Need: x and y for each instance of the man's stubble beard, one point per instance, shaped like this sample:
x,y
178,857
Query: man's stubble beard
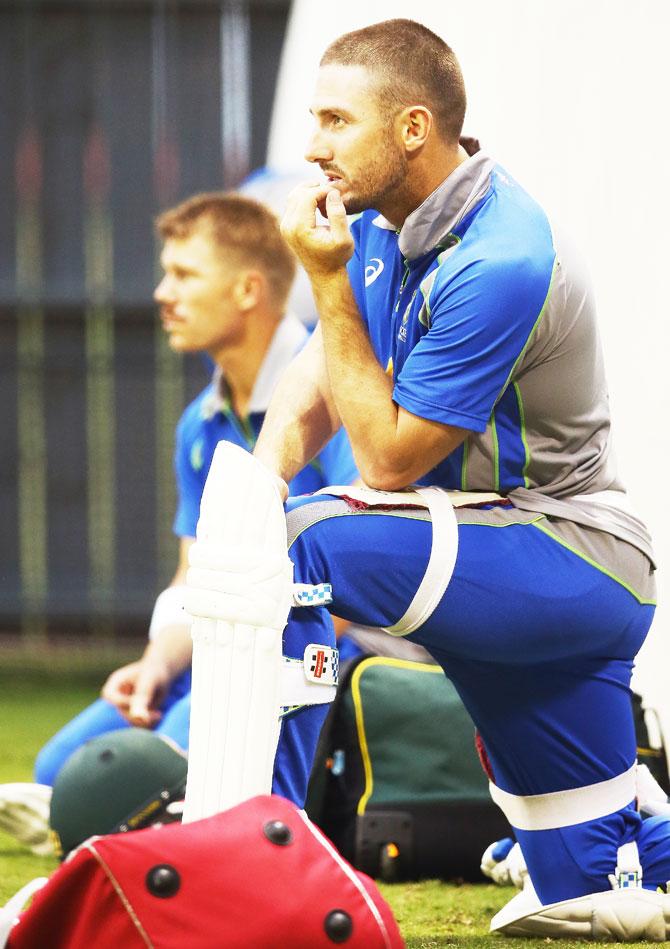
x,y
386,174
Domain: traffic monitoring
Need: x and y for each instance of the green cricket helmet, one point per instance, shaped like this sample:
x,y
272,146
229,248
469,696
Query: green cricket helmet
x,y
114,783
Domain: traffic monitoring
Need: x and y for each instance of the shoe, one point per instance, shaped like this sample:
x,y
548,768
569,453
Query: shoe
x,y
503,862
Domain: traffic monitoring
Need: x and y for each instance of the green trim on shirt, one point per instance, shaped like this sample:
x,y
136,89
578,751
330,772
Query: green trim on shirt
x,y
464,466
594,563
522,419
496,453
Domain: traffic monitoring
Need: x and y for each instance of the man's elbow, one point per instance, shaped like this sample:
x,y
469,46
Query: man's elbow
x,y
383,477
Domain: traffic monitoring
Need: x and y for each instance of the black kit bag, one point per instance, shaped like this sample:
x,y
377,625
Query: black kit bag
x,y
397,783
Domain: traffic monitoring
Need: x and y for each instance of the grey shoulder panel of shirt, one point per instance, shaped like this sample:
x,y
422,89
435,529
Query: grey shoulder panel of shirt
x,y
614,519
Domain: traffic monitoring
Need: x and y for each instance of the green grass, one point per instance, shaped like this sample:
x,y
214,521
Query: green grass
x,y
31,710
35,703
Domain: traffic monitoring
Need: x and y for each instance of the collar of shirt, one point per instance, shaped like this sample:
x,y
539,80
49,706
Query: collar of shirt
x,y
443,208
289,337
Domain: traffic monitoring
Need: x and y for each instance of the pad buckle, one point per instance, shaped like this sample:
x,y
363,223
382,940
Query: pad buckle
x,y
628,872
627,880
321,664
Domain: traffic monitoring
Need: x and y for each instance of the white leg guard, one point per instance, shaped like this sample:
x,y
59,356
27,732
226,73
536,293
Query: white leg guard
x,y
627,913
240,588
615,916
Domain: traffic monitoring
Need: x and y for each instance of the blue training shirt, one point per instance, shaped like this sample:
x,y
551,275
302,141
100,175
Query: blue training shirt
x,y
211,418
485,320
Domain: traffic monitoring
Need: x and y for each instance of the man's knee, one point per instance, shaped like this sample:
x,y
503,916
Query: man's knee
x,y
47,764
306,516
98,718
572,861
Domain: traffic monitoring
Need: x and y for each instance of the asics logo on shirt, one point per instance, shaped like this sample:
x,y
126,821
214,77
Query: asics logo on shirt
x,y
373,269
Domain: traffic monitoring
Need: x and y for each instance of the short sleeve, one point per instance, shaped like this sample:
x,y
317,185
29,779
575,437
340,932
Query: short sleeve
x,y
481,320
190,484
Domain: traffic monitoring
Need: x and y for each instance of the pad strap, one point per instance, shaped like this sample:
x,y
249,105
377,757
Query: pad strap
x,y
444,544
444,549
564,808
441,563
628,873
311,680
312,594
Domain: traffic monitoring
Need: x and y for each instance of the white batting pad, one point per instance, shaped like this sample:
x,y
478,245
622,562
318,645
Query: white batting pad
x,y
628,915
239,592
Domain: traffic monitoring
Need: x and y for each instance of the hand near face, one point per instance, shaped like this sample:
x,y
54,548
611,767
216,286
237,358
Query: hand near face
x,y
322,250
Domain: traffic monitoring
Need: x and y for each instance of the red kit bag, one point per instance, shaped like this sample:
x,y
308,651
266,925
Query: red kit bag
x,y
258,876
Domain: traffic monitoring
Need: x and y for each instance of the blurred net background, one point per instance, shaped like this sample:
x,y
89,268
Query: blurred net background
x,y
111,110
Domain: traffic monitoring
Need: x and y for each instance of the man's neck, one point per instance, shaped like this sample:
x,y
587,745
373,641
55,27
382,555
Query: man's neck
x,y
426,174
241,363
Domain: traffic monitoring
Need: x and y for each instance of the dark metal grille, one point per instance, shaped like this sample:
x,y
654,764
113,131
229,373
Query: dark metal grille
x,y
109,112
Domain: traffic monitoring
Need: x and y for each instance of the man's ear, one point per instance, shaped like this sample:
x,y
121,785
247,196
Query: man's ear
x,y
415,124
249,289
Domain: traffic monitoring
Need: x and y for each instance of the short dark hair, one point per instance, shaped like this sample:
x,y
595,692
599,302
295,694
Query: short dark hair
x,y
413,65
239,225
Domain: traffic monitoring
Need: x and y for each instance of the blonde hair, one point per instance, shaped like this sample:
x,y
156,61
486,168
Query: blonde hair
x,y
239,225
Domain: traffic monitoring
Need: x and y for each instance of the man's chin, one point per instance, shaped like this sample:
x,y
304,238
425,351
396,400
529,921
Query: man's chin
x,y
179,345
352,204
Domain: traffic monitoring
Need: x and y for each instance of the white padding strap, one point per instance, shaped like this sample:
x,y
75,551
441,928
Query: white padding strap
x,y
169,610
297,689
444,549
564,808
444,545
441,563
311,680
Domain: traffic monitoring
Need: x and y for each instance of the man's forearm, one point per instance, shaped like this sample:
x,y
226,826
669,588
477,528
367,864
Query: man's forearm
x,y
392,447
362,391
171,649
301,417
